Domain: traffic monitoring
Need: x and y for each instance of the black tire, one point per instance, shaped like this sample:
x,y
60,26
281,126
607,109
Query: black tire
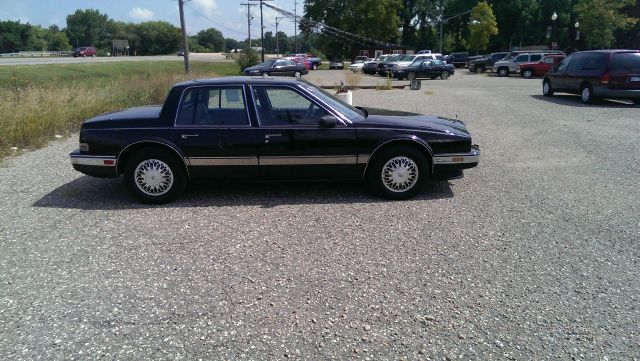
x,y
473,69
586,94
444,75
547,89
527,73
411,76
481,69
413,173
636,101
503,72
314,66
297,74
158,170
265,73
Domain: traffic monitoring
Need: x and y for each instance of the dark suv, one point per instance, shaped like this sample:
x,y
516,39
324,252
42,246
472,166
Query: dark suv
x,y
597,74
458,59
484,63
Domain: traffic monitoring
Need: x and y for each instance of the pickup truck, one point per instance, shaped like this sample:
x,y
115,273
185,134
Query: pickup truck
x,y
314,60
540,68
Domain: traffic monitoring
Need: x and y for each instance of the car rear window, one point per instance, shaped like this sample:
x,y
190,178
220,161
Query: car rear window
x,y
626,61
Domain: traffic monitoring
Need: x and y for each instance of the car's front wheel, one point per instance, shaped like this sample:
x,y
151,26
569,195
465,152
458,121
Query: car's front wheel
x,y
411,76
503,72
547,90
586,94
481,69
398,172
527,74
155,176
315,66
444,75
297,74
265,73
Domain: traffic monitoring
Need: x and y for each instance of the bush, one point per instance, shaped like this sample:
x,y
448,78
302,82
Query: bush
x,y
248,57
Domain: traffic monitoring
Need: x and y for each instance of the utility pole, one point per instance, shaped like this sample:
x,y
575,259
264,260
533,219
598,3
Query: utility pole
x,y
441,22
278,18
295,25
185,43
249,17
261,28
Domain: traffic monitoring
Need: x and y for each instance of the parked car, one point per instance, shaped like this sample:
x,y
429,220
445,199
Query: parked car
x,y
425,68
356,66
269,128
509,64
85,51
383,64
405,60
282,67
424,52
540,68
458,60
303,61
336,64
180,52
371,67
314,61
361,57
485,62
613,74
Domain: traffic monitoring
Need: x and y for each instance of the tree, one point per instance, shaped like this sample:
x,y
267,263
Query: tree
x,y
248,57
87,27
230,44
482,26
157,37
14,36
600,18
212,39
56,39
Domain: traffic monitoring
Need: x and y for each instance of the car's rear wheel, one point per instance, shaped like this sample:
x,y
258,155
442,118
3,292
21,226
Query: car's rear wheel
x,y
444,75
315,66
297,74
155,176
398,172
473,69
547,90
265,73
481,69
503,72
527,73
586,94
411,76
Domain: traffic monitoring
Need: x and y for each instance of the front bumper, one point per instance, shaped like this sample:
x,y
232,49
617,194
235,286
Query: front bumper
x,y
96,166
450,165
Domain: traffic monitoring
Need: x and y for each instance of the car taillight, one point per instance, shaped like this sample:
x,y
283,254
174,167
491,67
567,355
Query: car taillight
x,y
605,79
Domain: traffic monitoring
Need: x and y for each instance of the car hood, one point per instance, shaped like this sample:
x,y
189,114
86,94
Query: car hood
x,y
138,116
383,118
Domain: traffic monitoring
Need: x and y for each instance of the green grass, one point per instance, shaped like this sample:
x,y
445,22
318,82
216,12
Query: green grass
x,y
39,101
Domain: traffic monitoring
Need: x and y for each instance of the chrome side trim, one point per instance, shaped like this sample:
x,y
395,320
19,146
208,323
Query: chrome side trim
x,y
309,160
217,161
363,158
97,161
450,158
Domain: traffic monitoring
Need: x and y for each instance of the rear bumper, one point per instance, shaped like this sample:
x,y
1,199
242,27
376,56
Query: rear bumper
x,y
604,92
450,165
96,166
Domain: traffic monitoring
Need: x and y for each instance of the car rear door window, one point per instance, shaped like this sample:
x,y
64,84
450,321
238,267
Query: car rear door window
x,y
213,106
593,61
522,58
535,57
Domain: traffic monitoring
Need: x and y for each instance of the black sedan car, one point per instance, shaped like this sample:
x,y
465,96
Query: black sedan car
x,y
280,67
425,68
269,128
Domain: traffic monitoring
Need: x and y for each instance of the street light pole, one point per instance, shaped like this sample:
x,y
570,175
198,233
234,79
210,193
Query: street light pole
x,y
554,17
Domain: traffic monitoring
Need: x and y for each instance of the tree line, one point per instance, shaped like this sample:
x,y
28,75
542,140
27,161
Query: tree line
x,y
472,25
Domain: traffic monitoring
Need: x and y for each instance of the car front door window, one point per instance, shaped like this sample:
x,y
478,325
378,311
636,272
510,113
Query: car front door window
x,y
283,106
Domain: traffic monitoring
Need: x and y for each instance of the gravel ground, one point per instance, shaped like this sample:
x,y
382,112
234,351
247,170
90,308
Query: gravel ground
x,y
533,255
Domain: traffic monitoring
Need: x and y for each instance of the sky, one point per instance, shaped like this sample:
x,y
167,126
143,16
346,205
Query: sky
x,y
228,16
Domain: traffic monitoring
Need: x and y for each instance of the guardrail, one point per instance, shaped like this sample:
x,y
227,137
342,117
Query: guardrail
x,y
32,54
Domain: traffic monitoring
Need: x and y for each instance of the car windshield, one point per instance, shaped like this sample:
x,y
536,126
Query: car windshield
x,y
347,110
407,58
394,58
419,61
268,62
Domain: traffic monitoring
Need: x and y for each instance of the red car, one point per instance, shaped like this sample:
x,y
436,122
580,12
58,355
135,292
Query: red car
x,y
85,51
540,68
301,61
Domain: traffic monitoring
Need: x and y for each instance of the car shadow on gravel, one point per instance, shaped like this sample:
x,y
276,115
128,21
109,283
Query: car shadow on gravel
x,y
90,193
574,101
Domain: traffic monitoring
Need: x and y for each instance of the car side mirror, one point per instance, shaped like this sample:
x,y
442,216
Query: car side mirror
x,y
328,121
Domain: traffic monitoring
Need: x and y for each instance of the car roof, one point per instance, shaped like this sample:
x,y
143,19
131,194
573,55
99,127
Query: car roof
x,y
240,80
609,51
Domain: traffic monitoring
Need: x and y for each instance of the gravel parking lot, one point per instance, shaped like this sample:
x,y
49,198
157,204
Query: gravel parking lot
x,y
533,255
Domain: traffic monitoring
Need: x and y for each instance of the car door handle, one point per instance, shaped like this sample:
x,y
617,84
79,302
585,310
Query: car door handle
x,y
267,136
185,136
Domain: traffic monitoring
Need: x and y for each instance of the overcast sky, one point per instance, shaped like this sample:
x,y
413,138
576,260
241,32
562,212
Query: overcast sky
x,y
228,16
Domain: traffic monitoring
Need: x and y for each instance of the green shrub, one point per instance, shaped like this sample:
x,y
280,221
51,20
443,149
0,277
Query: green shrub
x,y
248,57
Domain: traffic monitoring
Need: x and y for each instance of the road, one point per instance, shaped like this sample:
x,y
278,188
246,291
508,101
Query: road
x,y
103,59
532,256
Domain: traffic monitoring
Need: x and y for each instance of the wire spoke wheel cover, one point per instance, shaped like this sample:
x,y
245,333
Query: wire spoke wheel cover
x,y
399,174
153,177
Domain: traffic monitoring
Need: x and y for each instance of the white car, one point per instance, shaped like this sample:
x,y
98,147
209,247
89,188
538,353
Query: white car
x,y
356,66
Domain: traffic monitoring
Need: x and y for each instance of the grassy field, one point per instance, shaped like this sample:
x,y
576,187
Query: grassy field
x,y
38,102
